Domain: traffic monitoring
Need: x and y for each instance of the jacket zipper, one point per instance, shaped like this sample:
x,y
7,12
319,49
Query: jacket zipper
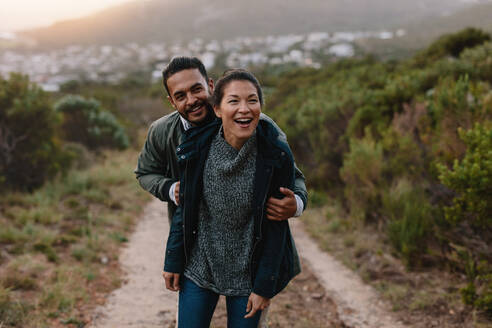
x,y
257,239
184,214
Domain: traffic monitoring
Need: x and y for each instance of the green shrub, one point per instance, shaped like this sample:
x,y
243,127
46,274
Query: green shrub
x,y
479,59
362,174
471,179
410,220
452,45
478,291
85,122
317,198
29,150
82,157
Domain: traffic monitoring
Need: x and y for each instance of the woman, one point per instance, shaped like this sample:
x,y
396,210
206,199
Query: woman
x,y
220,242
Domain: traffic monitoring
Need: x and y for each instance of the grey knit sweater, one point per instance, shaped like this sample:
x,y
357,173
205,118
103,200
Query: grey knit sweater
x,y
219,260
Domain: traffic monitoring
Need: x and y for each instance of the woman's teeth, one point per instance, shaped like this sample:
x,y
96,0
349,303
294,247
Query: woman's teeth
x,y
243,121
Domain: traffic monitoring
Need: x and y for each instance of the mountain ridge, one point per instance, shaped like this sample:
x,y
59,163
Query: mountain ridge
x,y
172,21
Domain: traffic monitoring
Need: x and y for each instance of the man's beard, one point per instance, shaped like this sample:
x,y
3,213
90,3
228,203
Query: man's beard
x,y
210,114
209,111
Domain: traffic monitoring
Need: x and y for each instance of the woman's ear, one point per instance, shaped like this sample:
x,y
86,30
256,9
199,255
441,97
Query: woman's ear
x,y
217,111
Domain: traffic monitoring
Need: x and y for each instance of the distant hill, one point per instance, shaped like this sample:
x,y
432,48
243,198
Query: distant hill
x,y
182,20
421,33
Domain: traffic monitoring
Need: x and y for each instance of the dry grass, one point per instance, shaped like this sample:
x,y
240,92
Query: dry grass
x,y
59,245
427,298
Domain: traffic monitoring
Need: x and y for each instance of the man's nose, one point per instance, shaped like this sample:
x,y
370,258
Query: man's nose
x,y
190,99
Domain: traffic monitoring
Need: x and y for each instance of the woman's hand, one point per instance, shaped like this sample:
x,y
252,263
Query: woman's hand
x,y
172,280
256,303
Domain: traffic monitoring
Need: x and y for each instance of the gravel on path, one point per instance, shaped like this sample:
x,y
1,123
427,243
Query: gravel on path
x,y
358,303
143,300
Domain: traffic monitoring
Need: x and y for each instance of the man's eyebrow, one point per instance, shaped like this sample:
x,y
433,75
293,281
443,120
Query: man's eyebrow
x,y
178,93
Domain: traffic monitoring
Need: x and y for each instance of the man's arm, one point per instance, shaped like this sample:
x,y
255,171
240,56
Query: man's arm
x,y
153,170
294,201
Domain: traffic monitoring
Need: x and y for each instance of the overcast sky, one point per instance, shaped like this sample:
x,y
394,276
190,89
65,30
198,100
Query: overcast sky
x,y
22,14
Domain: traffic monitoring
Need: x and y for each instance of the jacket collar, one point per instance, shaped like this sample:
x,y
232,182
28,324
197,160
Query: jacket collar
x,y
199,138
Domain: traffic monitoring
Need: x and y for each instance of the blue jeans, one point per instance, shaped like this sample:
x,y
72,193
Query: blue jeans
x,y
197,306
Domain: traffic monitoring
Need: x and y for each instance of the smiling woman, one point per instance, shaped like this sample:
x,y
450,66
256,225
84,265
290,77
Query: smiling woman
x,y
224,244
25,14
239,110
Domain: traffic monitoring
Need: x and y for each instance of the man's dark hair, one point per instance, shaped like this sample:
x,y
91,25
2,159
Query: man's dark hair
x,y
235,74
179,64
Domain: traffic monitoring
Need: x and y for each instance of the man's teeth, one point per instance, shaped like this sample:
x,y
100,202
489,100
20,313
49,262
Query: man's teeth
x,y
195,109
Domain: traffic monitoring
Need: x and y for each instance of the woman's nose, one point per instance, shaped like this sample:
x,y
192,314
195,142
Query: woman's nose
x,y
243,106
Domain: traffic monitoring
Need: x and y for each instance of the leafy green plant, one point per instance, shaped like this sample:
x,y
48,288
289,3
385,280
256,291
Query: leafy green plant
x,y
30,153
361,172
471,179
452,45
410,220
84,121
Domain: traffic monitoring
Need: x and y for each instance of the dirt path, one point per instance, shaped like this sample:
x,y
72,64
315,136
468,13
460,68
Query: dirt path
x,y
358,304
143,300
326,294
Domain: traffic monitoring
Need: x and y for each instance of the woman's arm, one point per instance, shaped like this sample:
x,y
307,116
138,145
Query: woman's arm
x,y
275,235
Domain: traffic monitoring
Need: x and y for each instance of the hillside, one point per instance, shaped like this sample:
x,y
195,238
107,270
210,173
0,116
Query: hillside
x,y
420,34
156,20
400,150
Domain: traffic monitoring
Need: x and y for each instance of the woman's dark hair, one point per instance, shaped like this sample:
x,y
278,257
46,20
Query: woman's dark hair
x,y
235,74
179,64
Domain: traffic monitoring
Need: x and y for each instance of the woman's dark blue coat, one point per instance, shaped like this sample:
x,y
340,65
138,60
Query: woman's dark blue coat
x,y
274,261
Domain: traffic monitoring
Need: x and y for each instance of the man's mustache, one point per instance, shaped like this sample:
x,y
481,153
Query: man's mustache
x,y
207,105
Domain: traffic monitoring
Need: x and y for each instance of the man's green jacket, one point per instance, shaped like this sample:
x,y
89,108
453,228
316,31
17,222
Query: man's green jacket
x,y
157,166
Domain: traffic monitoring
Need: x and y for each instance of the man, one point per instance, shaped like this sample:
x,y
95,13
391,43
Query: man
x,y
189,89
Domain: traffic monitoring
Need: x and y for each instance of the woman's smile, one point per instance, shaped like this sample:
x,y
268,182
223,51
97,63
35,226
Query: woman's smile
x,y
239,110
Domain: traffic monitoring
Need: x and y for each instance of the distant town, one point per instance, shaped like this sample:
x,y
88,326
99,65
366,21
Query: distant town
x,y
112,64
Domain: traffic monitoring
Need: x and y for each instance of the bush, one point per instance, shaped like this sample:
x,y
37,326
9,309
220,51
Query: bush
x,y
29,151
362,173
452,45
480,60
410,220
84,121
471,179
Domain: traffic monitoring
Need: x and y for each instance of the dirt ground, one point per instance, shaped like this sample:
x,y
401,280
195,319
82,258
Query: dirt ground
x,y
303,304
424,298
325,294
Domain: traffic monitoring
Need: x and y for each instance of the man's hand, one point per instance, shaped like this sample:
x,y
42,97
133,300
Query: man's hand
x,y
176,193
256,303
282,209
172,280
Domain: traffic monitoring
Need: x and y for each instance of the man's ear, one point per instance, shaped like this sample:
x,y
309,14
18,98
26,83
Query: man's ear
x,y
211,85
171,101
217,111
